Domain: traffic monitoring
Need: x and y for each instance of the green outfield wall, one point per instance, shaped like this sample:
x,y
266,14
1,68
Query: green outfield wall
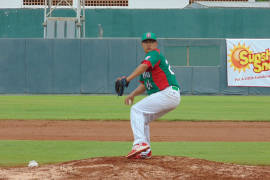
x,y
55,66
167,23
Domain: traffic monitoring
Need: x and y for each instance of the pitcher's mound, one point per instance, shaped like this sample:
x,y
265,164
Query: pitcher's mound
x,y
159,167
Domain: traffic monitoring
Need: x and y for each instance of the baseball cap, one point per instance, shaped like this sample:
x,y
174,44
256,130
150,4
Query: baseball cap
x,y
149,35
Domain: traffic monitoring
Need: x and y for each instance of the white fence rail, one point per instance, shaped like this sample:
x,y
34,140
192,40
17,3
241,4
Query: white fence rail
x,y
133,4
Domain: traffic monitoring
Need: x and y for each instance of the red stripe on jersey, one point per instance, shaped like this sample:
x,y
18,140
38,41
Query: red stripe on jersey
x,y
159,77
148,63
157,50
141,82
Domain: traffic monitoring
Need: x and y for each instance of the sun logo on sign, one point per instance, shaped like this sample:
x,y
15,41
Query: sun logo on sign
x,y
235,57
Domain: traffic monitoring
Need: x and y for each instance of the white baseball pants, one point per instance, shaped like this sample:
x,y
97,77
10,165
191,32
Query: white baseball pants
x,y
149,109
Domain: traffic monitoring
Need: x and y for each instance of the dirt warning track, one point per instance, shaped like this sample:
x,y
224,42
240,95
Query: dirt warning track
x,y
121,131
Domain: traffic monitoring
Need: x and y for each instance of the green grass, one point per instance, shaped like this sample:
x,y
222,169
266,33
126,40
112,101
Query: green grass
x,y
13,153
196,108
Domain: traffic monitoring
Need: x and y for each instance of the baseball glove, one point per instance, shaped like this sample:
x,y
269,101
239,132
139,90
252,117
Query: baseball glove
x,y
120,85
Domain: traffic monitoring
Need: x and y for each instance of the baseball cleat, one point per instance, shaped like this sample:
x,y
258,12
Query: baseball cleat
x,y
137,149
144,155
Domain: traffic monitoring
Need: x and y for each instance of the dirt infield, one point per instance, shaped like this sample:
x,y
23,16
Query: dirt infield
x,y
121,131
159,167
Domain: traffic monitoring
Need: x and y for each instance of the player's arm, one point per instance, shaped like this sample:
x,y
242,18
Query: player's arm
x,y
138,71
139,90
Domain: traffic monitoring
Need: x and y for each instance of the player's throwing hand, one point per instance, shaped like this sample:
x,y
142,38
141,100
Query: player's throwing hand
x,y
129,100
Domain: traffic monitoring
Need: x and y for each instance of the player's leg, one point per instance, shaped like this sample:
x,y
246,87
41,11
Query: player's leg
x,y
149,109
138,120
138,125
147,127
171,98
147,132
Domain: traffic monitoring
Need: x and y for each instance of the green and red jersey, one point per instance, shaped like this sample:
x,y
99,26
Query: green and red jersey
x,y
159,75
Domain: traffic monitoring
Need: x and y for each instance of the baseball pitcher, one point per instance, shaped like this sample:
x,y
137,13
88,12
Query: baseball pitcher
x,y
158,80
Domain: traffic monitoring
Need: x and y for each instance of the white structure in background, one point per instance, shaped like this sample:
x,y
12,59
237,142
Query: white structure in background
x,y
229,4
158,4
64,27
132,4
10,4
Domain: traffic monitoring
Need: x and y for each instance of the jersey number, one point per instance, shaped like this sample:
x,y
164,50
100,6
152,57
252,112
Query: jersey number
x,y
169,67
148,85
